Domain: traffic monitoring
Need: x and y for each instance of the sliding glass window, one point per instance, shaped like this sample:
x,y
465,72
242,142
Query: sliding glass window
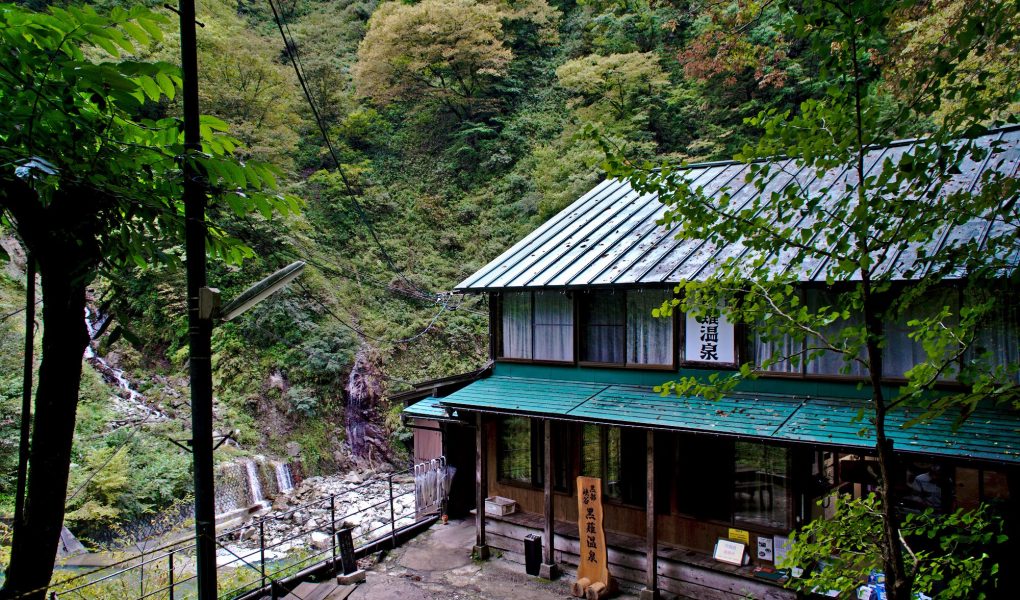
x,y
517,325
537,326
554,327
761,491
619,457
619,328
520,451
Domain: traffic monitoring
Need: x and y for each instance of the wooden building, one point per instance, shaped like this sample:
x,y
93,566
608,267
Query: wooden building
x,y
576,353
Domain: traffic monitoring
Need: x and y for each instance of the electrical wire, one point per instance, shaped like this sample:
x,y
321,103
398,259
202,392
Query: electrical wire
x,y
291,48
442,309
17,312
100,468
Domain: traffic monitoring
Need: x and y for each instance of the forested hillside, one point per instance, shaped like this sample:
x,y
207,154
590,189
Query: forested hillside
x,y
458,126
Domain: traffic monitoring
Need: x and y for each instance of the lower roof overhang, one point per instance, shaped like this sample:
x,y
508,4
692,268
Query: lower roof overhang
x,y
988,435
429,409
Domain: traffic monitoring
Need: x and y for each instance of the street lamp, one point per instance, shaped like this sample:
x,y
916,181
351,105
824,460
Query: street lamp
x,y
261,290
203,309
209,312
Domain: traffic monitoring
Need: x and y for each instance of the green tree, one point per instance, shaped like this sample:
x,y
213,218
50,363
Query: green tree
x,y
98,488
622,85
955,557
245,85
739,60
451,52
90,185
852,229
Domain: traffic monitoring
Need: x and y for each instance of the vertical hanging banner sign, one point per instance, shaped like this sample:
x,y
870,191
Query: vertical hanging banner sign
x,y
594,564
709,339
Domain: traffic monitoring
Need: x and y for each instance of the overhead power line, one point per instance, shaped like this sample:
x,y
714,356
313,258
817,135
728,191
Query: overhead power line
x,y
292,53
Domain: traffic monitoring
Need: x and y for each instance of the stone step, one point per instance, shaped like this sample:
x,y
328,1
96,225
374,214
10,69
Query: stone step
x,y
320,591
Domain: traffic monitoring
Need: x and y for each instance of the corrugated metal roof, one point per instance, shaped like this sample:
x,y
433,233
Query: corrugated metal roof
x,y
989,434
610,236
428,408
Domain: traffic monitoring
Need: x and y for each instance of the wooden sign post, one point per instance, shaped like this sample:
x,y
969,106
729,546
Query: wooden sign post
x,y
593,569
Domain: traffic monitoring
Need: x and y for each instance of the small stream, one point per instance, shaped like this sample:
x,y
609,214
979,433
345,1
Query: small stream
x,y
132,403
241,483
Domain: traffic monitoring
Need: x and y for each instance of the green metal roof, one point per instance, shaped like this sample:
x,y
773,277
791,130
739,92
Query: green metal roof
x,y
989,434
633,405
428,408
516,395
613,234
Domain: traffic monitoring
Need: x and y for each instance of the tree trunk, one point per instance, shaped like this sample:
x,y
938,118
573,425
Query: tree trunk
x,y
64,340
61,235
897,582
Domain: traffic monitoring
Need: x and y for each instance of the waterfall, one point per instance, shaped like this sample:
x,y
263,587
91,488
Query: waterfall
x,y
365,392
94,324
284,482
254,485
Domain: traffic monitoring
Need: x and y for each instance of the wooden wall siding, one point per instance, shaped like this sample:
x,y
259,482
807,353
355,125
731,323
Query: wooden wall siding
x,y
428,444
688,574
672,529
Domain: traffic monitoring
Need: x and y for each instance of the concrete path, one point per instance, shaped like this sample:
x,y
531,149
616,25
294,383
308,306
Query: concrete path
x,y
437,565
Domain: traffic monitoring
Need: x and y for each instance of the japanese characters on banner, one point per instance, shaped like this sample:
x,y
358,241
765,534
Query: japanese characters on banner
x,y
593,564
709,339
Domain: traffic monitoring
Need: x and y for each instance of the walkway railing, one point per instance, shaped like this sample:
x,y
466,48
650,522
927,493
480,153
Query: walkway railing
x,y
168,572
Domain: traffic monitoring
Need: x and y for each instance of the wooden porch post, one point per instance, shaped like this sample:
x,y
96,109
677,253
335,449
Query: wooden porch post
x,y
481,549
548,570
651,590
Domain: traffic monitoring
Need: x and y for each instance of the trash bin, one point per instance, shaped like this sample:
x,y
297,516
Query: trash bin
x,y
532,554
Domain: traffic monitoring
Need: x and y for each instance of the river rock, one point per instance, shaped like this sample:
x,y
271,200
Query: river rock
x,y
320,541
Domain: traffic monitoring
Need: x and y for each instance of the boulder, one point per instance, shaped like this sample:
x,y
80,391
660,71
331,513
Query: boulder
x,y
320,541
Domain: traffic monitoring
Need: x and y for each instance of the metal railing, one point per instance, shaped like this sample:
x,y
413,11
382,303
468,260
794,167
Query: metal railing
x,y
165,573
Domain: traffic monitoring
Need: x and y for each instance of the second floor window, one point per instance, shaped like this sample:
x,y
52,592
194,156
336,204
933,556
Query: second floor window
x,y
618,328
538,326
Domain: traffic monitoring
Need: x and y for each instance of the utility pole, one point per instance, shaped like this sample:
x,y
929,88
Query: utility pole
x,y
199,321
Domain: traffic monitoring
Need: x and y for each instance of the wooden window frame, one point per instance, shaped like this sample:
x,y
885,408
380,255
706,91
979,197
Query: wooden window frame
x,y
496,329
746,352
603,431
536,450
791,491
496,336
579,335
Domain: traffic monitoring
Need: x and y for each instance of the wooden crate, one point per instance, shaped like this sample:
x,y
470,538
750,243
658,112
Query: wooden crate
x,y
498,506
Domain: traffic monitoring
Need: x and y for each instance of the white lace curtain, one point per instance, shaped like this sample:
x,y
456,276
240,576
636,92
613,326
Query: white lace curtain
x,y
517,325
830,362
539,326
902,353
554,326
780,347
997,343
649,339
